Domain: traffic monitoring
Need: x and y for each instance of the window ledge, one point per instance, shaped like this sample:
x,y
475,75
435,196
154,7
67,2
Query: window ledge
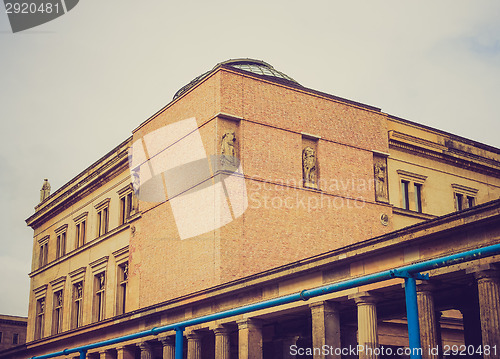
x,y
408,213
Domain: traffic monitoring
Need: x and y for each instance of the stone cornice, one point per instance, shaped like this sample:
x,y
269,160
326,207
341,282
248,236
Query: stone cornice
x,y
62,228
101,171
58,283
464,189
81,217
444,153
78,274
99,264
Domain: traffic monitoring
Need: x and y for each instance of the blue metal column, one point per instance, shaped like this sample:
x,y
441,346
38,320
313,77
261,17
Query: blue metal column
x,y
83,354
179,343
412,317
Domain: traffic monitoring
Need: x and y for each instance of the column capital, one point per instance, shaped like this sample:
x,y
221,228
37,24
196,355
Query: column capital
x,y
425,286
144,346
249,323
327,306
480,268
221,330
168,340
193,336
364,298
488,274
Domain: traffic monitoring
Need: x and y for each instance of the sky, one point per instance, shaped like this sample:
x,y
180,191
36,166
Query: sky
x,y
74,88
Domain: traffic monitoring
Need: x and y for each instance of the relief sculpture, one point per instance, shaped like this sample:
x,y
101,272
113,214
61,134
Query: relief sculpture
x,y
228,154
309,167
380,174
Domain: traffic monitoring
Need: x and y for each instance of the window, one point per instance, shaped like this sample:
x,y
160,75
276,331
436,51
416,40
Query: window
x,y
125,207
121,260
77,288
77,304
15,338
43,251
102,221
57,313
0,337
127,203
418,197
99,296
80,234
464,197
412,191
405,194
61,241
61,245
81,229
459,201
122,288
102,217
40,318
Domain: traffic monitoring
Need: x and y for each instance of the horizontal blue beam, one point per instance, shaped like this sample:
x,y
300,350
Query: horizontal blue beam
x,y
303,295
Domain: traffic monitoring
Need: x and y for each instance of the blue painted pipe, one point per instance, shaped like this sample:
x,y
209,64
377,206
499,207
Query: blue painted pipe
x,y
303,295
179,343
412,318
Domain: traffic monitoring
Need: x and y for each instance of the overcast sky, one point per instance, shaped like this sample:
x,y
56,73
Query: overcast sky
x,y
74,88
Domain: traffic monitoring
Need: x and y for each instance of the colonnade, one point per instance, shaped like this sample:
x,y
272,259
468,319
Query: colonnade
x,y
481,319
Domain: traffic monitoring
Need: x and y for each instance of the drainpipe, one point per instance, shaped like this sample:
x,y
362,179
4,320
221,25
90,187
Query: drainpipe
x,y
412,318
179,342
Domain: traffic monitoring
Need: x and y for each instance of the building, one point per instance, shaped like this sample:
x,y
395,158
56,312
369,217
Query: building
x,y
249,186
12,331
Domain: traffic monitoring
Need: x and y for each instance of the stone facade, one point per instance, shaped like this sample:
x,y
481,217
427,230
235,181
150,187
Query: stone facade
x,y
326,189
12,331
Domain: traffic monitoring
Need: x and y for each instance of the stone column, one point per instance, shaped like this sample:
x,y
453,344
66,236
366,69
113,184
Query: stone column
x,y
287,343
367,324
105,354
124,353
249,339
325,327
168,344
427,320
146,352
222,344
193,346
489,308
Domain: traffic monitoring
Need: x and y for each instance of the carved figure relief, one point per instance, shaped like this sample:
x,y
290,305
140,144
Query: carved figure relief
x,y
134,205
380,176
228,154
45,191
101,280
309,167
79,290
125,271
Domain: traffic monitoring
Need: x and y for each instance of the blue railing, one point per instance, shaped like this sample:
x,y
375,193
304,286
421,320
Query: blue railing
x,y
409,273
